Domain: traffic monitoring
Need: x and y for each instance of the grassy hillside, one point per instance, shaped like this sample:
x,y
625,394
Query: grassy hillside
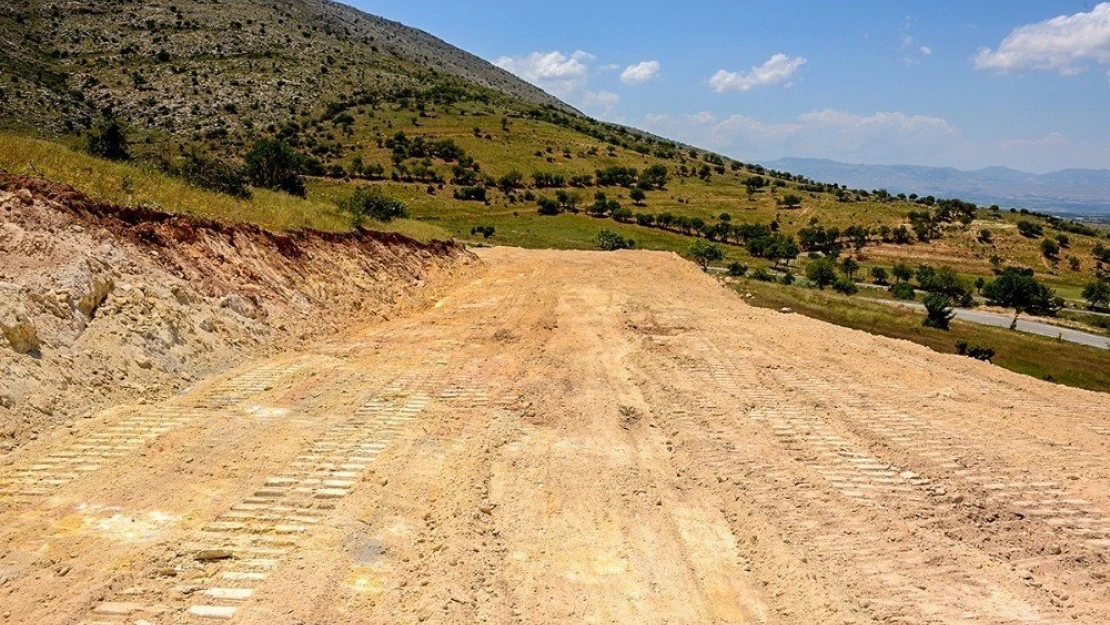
x,y
137,185
366,101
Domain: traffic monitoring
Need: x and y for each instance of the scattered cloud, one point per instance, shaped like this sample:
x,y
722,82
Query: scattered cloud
x,y
604,101
1051,139
1067,44
566,76
777,70
640,73
912,52
879,137
882,137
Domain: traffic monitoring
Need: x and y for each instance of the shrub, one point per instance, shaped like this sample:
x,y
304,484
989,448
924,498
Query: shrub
x,y
845,286
879,276
1029,229
272,164
791,200
1050,249
736,269
788,278
471,194
548,206
372,204
212,174
978,352
485,231
763,275
610,241
903,291
938,311
109,141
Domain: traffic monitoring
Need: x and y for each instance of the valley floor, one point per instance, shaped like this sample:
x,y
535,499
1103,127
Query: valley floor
x,y
574,437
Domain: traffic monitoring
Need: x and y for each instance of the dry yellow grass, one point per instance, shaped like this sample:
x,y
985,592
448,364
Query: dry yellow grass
x,y
133,185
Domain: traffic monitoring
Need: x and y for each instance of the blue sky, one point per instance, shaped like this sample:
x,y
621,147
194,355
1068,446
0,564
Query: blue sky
x,y
1019,83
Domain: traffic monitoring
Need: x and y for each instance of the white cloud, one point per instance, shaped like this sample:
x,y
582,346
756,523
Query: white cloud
x,y
1051,139
640,73
567,76
556,72
926,50
604,101
879,137
778,69
1066,44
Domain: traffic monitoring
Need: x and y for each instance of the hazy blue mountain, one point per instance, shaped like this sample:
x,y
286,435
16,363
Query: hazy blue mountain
x,y
1073,192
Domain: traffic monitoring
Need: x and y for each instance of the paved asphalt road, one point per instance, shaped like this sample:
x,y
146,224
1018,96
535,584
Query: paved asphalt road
x,y
1024,325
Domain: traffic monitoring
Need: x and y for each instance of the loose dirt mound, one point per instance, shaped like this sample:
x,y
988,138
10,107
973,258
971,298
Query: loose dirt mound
x,y
102,303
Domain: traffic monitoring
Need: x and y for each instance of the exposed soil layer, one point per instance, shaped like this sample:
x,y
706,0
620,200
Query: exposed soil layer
x,y
573,437
101,304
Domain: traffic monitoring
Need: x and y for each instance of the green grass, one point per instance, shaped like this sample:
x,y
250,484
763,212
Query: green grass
x,y
135,185
1040,357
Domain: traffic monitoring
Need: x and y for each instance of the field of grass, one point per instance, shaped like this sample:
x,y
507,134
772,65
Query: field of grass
x,y
133,185
1040,357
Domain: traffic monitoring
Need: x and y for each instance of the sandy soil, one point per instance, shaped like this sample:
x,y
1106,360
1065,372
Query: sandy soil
x,y
574,437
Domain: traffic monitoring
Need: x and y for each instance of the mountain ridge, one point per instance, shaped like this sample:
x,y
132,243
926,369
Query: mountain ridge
x,y
1073,191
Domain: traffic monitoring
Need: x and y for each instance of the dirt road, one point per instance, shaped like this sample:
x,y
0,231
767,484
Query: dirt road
x,y
574,438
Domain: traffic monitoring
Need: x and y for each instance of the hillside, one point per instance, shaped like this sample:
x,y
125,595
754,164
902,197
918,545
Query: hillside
x,y
465,146
188,66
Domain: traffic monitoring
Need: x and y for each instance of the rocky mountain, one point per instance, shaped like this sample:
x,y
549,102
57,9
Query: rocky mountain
x,y
215,68
1074,192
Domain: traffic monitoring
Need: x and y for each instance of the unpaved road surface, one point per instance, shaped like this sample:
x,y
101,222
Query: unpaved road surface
x,y
574,438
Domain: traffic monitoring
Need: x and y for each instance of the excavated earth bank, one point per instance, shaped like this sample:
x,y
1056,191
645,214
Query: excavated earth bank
x,y
101,304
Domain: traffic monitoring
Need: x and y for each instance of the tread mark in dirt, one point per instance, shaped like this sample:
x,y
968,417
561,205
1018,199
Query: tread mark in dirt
x,y
257,533
93,451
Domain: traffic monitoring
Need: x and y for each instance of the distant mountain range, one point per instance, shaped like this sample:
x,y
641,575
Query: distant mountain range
x,y
1069,192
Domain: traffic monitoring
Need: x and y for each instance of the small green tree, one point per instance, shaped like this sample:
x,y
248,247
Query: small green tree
x,y
704,252
109,141
272,164
849,266
821,273
637,196
1097,294
985,237
901,272
938,311
1018,289
879,276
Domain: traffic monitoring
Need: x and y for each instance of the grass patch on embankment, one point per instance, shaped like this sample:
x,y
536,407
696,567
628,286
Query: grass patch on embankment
x,y
1044,358
128,184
